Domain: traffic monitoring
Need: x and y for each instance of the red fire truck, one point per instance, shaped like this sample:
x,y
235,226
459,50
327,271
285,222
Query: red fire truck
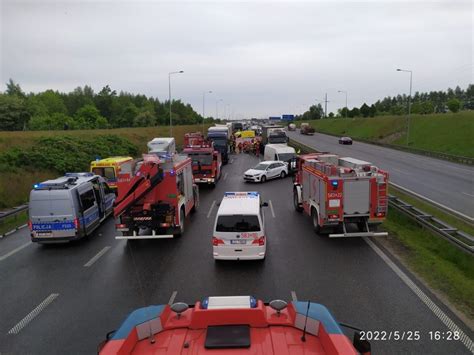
x,y
341,193
158,198
207,162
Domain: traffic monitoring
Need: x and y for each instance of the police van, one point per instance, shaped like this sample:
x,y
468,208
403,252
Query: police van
x,y
239,229
69,207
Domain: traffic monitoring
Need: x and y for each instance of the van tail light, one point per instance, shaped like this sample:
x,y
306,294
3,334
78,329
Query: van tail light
x,y
260,241
77,224
217,241
30,226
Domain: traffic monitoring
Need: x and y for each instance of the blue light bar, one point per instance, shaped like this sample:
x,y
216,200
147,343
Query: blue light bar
x,y
334,183
243,193
36,186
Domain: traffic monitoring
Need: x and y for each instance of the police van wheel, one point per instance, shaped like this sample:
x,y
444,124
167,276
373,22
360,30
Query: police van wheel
x,y
315,219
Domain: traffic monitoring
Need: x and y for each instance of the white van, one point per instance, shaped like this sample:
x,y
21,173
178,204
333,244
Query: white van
x,y
280,152
239,229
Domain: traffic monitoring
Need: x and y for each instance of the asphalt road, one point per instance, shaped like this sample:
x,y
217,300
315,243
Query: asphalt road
x,y
447,183
80,304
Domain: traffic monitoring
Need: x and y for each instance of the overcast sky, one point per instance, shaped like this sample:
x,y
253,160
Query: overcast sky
x,y
261,58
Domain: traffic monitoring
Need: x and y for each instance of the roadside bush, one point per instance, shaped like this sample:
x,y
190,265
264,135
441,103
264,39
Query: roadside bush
x,y
65,153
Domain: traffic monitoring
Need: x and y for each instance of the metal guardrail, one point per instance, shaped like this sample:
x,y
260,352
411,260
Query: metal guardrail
x,y
459,238
12,212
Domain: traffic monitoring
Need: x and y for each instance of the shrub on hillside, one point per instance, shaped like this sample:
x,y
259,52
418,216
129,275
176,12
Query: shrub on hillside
x,y
65,153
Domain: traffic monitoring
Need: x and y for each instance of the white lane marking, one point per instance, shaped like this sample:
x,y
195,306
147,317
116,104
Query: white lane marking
x,y
225,176
400,171
448,322
210,209
293,296
173,296
465,193
433,202
97,256
16,250
30,316
271,208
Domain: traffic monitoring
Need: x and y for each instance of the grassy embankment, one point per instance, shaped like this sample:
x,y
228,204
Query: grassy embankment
x,y
451,133
17,174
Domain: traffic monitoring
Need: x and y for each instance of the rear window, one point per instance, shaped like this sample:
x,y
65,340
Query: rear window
x,y
108,173
56,207
238,223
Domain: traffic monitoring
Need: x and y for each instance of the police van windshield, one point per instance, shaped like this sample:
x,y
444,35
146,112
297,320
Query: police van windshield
x,y
238,223
108,173
201,158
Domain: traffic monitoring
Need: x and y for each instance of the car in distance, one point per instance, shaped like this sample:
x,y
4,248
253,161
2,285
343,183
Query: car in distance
x,y
267,170
345,140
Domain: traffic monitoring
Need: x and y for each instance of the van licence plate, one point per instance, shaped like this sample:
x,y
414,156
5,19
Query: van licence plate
x,y
44,234
238,241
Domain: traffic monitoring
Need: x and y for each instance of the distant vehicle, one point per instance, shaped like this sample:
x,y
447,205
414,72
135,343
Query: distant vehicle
x,y
69,207
206,160
339,192
111,168
237,126
267,170
345,140
162,146
239,229
220,137
272,134
280,152
232,325
305,128
292,127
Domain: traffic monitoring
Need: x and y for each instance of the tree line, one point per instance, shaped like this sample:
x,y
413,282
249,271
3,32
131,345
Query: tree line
x,y
85,109
421,103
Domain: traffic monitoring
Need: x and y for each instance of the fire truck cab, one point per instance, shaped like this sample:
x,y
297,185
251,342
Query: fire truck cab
x,y
339,193
206,161
157,198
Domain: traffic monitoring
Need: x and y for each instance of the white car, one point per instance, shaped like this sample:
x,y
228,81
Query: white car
x,y
267,170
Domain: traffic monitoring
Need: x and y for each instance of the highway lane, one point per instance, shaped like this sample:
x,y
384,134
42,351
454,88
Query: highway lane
x,y
346,275
447,183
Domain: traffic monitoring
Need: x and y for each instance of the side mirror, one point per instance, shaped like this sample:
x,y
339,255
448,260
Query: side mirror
x,y
264,204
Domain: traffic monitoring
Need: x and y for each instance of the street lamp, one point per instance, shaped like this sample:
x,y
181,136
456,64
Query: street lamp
x,y
204,106
169,92
345,92
217,109
409,104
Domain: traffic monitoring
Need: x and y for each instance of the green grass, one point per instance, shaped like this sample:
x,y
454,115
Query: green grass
x,y
434,211
451,133
443,266
9,223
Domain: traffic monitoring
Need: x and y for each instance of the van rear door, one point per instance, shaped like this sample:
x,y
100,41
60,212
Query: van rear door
x,y
51,213
238,229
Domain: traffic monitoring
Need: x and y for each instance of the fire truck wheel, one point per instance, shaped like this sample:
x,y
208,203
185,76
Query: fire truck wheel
x,y
298,208
283,175
181,223
263,178
315,218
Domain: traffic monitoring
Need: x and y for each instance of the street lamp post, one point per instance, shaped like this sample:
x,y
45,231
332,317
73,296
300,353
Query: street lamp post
x,y
409,104
217,108
204,106
169,92
345,92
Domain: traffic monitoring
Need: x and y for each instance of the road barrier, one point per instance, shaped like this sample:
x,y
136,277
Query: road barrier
x,y
12,213
461,239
